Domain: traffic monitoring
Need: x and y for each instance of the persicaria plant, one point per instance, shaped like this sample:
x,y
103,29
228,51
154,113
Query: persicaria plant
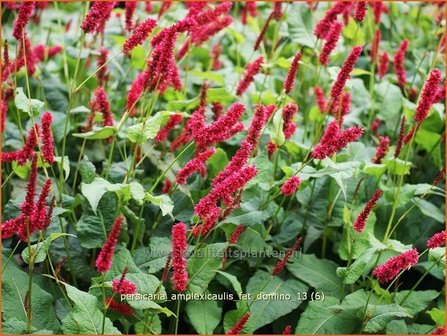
x,y
233,168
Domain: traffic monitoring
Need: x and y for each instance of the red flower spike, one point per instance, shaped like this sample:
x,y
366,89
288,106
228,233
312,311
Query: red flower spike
x,y
239,326
439,177
290,186
197,164
252,69
39,214
216,50
333,140
103,72
217,109
25,11
282,262
120,308
287,330
174,120
166,186
427,96
123,286
239,159
440,331
4,110
399,68
360,221
140,34
360,11
375,45
391,268
271,149
320,98
49,215
99,11
382,149
104,259
47,138
236,233
384,62
290,79
129,9
377,11
179,247
344,74
28,205
102,104
331,41
400,140
277,10
288,113
437,240
135,92
323,26
262,33
164,276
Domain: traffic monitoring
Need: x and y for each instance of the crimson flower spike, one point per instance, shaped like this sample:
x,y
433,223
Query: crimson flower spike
x,y
104,260
262,33
239,326
197,164
344,74
399,63
360,221
47,138
382,149
391,268
99,11
290,79
282,263
179,247
129,8
437,240
360,11
427,96
252,69
25,11
331,42
140,34
290,186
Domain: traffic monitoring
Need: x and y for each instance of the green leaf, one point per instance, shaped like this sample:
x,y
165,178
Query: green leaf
x,y
437,315
24,104
319,318
382,315
142,132
85,318
137,191
389,103
417,301
97,133
204,315
14,289
163,201
431,210
300,24
66,165
97,188
276,131
266,310
147,284
203,265
39,250
233,280
437,255
92,228
359,267
318,273
397,166
87,170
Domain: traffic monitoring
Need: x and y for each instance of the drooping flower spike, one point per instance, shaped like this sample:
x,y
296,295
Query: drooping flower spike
x,y
129,9
25,11
437,240
323,26
174,120
102,76
360,11
197,164
331,42
384,62
252,69
290,186
391,268
98,12
140,34
262,33
236,233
